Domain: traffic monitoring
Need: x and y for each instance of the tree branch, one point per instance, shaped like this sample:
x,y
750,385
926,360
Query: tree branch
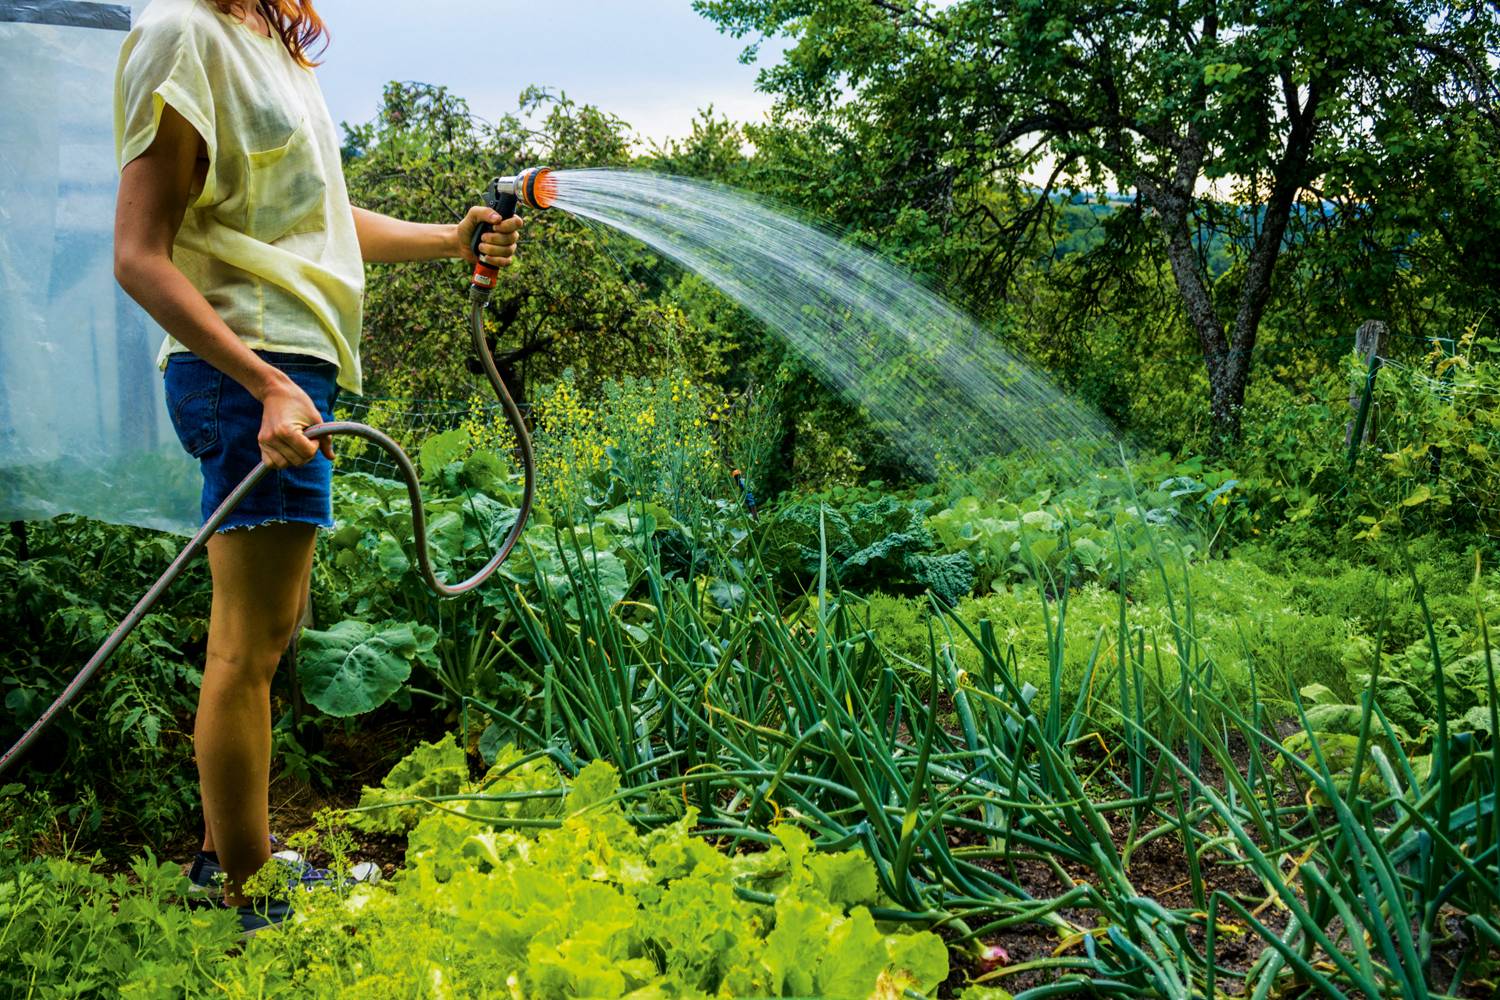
x,y
916,20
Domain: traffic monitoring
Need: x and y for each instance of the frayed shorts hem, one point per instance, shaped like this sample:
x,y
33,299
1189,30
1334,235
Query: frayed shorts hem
x,y
251,525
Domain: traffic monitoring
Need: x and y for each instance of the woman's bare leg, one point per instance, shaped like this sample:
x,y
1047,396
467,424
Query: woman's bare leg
x,y
259,580
208,832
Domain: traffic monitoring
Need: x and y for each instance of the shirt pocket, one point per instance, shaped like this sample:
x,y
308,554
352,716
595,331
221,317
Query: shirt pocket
x,y
286,189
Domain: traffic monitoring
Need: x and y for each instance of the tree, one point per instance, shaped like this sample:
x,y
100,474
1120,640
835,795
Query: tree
x,y
577,297
1219,117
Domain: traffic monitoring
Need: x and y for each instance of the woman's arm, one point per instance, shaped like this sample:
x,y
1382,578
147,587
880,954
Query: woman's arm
x,y
155,189
384,240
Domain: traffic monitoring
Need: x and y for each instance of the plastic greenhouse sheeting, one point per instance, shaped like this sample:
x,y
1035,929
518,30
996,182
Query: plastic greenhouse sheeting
x,y
83,424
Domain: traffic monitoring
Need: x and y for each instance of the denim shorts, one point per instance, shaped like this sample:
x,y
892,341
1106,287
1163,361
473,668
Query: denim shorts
x,y
218,422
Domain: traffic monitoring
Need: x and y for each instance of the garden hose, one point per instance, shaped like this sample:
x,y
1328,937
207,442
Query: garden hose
x,y
531,187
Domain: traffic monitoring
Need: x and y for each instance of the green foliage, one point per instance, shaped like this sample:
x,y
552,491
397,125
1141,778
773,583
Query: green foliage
x,y
555,557
1403,690
642,626
588,908
883,544
1153,691
381,617
354,667
436,768
1079,533
1289,140
1289,624
67,930
1431,463
574,298
800,713
591,907
656,438
116,751
1074,533
644,437
1438,432
440,769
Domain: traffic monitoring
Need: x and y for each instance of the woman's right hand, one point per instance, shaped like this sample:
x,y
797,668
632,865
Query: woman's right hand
x,y
289,412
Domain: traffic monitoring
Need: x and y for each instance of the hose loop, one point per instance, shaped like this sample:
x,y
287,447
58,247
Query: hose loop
x,y
477,299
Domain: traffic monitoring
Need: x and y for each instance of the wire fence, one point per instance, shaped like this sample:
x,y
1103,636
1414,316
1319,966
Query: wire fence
x,y
1444,386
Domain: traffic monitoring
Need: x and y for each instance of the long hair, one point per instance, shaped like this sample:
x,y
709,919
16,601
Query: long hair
x,y
300,27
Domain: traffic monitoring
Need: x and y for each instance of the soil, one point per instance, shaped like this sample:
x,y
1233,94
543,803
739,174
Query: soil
x,y
1158,869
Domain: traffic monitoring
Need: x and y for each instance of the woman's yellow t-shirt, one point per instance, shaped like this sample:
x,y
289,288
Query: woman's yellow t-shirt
x,y
270,239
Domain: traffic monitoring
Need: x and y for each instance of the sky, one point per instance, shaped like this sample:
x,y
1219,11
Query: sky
x,y
653,63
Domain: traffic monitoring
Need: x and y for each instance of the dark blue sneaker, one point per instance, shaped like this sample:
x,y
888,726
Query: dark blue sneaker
x,y
206,876
263,914
310,878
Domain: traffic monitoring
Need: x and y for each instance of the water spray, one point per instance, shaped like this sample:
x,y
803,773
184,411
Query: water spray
x,y
532,187
943,389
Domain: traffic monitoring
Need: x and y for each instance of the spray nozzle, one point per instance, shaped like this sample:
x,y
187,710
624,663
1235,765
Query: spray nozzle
x,y
533,187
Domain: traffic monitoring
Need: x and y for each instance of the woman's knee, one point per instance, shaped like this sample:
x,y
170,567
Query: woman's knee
x,y
250,654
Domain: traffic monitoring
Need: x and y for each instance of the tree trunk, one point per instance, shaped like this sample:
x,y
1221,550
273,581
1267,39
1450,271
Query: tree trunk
x,y
1228,364
1227,378
1226,353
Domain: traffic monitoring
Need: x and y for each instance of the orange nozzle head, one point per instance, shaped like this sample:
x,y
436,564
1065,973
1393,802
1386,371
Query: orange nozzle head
x,y
536,187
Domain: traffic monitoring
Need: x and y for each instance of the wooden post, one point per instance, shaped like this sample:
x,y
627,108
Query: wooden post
x,y
1369,344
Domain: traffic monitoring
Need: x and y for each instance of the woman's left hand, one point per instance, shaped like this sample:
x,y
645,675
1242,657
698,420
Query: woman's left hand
x,y
497,246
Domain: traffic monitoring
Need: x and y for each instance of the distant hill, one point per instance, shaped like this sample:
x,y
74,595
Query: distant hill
x,y
1082,216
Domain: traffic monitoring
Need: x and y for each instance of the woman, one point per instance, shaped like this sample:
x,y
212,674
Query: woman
x,y
233,229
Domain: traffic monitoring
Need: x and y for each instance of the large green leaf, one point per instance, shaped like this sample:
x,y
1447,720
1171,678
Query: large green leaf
x,y
441,449
486,523
436,768
355,667
543,562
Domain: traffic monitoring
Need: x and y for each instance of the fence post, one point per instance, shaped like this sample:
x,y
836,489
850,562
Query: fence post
x,y
1369,343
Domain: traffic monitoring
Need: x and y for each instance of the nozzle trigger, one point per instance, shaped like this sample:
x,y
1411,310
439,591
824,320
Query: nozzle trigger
x,y
503,202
